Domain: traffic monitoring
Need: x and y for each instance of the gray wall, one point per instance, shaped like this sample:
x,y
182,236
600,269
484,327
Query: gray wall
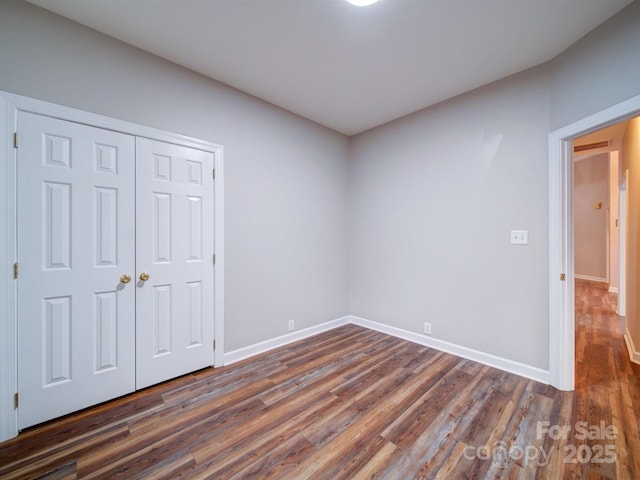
x,y
436,193
429,198
286,178
591,186
435,196
599,71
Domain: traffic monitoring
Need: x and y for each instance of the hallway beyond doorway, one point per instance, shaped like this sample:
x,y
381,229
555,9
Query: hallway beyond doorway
x,y
607,383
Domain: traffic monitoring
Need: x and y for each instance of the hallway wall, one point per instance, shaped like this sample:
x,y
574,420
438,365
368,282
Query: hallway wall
x,y
591,186
631,161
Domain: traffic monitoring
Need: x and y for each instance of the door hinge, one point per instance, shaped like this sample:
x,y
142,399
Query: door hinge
x,y
563,277
214,343
214,258
15,140
16,270
213,174
16,400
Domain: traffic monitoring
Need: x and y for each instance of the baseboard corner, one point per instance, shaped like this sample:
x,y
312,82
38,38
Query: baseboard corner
x,y
266,345
501,363
634,354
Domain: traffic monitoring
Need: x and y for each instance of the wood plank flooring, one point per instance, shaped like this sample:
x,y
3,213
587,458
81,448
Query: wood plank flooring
x,y
354,404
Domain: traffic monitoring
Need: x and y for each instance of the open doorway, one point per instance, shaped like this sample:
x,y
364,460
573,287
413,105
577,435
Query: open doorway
x,y
561,237
596,249
596,180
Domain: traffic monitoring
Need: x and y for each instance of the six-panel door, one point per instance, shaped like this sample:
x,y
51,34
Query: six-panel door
x,y
96,208
174,245
76,224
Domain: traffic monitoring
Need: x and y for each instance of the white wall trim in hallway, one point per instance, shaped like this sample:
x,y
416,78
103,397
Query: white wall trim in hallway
x,y
590,278
634,354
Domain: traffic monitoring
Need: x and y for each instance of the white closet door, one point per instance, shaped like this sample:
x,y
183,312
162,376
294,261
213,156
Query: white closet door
x,y
174,245
76,325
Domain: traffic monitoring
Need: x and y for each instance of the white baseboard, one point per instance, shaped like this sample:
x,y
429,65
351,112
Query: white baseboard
x,y
634,355
527,371
261,347
589,277
613,290
534,373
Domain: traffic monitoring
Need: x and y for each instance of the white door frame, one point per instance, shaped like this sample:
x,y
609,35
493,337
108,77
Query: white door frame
x,y
561,293
623,205
10,104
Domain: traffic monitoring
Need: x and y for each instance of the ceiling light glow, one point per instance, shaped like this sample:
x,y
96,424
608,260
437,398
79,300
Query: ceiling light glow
x,y
362,3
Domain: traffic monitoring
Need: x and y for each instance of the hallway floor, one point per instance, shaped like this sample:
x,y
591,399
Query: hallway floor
x,y
607,383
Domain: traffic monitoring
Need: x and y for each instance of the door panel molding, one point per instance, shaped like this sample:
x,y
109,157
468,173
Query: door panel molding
x,y
10,105
76,329
174,246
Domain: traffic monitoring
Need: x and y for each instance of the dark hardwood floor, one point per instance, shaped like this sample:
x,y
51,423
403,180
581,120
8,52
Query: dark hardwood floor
x,y
353,403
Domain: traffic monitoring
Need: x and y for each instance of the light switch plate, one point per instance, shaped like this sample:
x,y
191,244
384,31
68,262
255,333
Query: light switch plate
x,y
520,237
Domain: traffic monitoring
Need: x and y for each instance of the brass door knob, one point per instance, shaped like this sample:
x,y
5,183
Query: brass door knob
x,y
126,278
144,276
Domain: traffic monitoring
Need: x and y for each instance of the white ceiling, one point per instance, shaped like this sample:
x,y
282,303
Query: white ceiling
x,y
349,68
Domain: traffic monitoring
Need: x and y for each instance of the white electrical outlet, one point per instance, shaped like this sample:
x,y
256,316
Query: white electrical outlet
x,y
427,328
291,325
519,237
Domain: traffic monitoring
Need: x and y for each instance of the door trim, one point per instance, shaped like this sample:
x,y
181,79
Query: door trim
x,y
561,293
623,207
10,105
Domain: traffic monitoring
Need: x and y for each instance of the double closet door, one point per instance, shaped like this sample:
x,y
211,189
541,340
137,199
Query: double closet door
x,y
115,253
